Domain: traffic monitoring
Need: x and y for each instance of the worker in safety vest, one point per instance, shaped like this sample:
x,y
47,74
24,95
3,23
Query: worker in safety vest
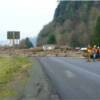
x,y
94,52
98,52
89,52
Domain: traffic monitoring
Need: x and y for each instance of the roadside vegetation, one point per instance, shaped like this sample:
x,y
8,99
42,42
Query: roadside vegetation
x,y
12,71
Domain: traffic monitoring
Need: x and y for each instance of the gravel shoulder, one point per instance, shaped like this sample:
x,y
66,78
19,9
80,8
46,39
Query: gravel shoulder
x,y
38,86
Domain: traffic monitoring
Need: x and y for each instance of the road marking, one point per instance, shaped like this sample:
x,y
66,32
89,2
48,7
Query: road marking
x,y
69,74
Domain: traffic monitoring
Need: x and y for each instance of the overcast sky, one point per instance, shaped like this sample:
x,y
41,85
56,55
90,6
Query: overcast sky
x,y
27,16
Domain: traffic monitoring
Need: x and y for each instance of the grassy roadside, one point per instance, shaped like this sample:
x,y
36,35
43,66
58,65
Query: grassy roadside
x,y
22,78
13,71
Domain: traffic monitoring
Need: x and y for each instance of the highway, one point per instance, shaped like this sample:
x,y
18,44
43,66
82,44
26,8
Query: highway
x,y
73,79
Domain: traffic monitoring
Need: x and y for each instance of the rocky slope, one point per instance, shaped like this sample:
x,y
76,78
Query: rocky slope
x,y
73,23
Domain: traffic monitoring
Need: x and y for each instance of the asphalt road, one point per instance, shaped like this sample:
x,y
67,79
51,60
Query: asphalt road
x,y
74,79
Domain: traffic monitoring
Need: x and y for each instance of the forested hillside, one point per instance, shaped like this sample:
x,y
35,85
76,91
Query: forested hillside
x,y
75,23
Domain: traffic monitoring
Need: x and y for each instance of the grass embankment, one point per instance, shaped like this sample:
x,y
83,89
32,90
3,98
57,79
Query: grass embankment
x,y
12,70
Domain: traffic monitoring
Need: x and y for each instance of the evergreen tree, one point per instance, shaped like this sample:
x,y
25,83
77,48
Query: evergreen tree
x,y
51,39
28,43
96,37
25,43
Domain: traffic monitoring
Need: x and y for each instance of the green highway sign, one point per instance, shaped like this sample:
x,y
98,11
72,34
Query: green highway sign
x,y
13,35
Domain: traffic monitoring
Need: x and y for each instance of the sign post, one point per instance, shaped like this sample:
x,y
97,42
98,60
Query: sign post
x,y
12,36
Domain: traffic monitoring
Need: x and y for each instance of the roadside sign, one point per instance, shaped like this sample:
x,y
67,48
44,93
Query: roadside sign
x,y
13,35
